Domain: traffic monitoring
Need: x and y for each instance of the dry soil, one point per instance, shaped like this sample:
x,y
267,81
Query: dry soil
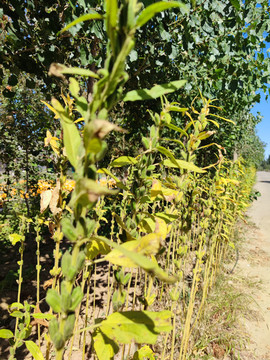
x,y
255,267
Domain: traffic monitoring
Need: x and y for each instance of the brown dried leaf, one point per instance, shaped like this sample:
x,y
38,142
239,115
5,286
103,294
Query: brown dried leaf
x,y
54,199
47,284
45,198
103,127
42,322
56,70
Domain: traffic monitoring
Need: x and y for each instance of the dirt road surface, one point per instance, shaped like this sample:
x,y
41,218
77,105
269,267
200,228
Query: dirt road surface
x,y
256,267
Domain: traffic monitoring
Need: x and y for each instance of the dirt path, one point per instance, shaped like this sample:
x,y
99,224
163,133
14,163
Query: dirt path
x,y
255,266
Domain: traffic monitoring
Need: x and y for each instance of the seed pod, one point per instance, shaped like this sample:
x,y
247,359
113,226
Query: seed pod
x,y
54,300
66,263
69,326
80,261
72,271
68,230
58,341
66,302
55,335
53,327
77,296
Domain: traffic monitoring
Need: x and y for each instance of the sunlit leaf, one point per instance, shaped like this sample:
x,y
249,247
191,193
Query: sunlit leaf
x,y
34,350
153,9
142,261
105,347
123,161
181,164
6,334
14,238
85,17
155,92
138,326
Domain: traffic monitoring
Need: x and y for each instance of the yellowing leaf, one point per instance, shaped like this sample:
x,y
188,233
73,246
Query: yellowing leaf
x,y
52,109
156,189
144,353
161,228
169,194
105,348
14,238
149,244
138,326
147,225
96,247
140,260
117,257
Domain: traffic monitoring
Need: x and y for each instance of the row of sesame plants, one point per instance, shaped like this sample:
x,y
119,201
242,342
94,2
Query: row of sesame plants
x,y
137,244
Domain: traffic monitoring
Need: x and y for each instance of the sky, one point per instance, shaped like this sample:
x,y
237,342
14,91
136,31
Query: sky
x,y
263,128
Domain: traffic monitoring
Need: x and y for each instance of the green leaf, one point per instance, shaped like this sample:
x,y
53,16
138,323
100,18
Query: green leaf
x,y
123,161
176,128
53,299
167,153
72,138
177,109
34,350
168,218
6,334
43,316
72,142
153,9
79,71
138,326
17,314
16,305
74,87
155,92
181,164
111,22
85,17
105,348
236,4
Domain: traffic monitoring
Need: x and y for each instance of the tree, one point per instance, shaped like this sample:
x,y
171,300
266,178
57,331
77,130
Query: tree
x,y
23,124
217,46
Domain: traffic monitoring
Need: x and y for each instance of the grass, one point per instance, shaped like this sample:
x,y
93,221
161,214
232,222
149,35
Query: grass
x,y
219,334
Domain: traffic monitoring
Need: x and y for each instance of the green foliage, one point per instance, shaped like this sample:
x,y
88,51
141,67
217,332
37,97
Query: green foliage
x,y
216,46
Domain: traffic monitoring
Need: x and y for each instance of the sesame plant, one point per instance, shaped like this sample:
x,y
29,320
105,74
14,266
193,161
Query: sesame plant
x,y
83,152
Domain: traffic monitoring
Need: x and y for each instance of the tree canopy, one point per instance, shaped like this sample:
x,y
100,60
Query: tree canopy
x,y
218,47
